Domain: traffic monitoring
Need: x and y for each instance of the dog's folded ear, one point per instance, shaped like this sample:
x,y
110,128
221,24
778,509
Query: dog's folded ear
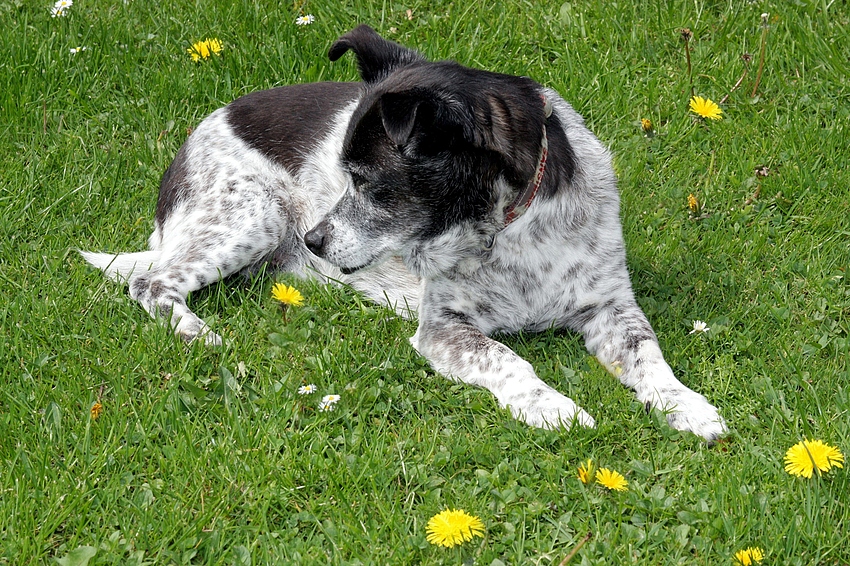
x,y
438,120
514,118
376,57
398,114
508,123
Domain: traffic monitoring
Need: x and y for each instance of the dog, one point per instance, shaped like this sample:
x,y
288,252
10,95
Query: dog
x,y
478,201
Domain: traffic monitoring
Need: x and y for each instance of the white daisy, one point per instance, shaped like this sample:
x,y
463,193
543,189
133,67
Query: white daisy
x,y
306,389
328,402
75,50
699,326
61,7
305,20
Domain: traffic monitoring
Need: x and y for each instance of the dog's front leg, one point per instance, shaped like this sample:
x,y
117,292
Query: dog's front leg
x,y
623,341
461,352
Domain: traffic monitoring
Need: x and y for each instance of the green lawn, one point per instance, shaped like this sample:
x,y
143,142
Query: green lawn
x,y
210,456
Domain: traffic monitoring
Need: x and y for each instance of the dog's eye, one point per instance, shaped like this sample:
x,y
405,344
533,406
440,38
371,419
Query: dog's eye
x,y
357,179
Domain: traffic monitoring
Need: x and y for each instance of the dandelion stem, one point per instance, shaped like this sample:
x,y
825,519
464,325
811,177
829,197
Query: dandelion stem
x,y
575,550
686,36
764,28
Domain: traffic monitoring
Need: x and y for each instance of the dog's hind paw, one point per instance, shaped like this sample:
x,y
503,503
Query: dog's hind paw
x,y
212,339
190,330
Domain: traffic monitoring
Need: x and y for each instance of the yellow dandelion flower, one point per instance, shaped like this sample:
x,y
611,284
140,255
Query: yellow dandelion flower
x,y
452,527
693,203
611,479
587,472
205,49
748,556
705,108
646,125
96,411
287,295
802,458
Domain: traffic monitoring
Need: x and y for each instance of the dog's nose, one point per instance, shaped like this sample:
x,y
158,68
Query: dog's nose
x,y
315,238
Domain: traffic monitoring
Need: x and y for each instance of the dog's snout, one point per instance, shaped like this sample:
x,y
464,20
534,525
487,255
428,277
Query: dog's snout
x,y
315,238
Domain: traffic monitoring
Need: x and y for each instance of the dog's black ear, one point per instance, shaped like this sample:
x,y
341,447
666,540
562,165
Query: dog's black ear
x,y
376,57
514,119
398,114
439,118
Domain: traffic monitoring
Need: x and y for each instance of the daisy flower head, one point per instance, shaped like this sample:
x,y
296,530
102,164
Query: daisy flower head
x,y
748,556
307,389
587,472
289,296
705,108
328,403
452,527
75,50
699,327
305,20
205,49
802,458
611,479
60,8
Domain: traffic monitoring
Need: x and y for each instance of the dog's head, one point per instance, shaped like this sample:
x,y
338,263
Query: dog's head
x,y
434,152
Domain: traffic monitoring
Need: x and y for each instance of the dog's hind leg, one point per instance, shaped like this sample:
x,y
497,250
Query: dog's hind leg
x,y
162,291
199,259
620,336
209,242
121,267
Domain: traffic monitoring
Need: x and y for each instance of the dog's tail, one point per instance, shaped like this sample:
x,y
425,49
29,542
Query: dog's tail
x,y
122,267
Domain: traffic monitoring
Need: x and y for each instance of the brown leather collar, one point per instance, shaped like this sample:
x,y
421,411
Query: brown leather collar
x,y
520,205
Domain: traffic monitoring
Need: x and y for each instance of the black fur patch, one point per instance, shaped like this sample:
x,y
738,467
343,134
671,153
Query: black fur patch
x,y
286,123
172,185
441,135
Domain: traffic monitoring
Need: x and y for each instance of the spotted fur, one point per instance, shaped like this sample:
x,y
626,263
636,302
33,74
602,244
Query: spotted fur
x,y
400,186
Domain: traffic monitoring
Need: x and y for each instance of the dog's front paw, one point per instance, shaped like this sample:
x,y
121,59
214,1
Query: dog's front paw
x,y
549,410
692,412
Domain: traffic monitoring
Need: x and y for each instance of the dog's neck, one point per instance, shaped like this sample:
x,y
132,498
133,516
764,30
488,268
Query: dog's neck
x,y
523,200
462,251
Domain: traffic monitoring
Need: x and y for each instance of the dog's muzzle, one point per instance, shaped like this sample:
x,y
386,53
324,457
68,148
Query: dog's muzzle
x,y
317,239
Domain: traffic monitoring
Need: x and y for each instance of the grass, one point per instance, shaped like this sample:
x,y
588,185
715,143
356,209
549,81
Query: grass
x,y
205,456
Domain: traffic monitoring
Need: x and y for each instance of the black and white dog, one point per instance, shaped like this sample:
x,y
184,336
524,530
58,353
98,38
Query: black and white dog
x,y
477,200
